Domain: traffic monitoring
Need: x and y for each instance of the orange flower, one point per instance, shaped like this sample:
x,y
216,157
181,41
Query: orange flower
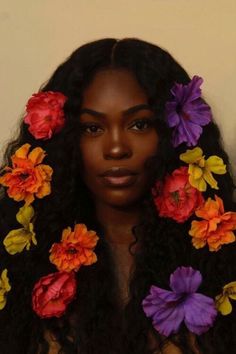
x,y
27,177
75,249
217,227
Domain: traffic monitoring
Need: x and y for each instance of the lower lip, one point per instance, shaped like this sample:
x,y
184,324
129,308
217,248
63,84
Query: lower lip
x,y
123,181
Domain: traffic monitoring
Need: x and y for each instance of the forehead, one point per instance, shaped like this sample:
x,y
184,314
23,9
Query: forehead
x,y
113,88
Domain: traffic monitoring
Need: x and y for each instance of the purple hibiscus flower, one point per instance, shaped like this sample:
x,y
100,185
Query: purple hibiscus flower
x,y
168,309
187,112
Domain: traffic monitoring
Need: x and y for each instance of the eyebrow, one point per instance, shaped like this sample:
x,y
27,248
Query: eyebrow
x,y
125,113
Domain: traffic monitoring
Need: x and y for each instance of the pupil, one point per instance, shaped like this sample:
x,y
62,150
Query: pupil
x,y
141,125
93,128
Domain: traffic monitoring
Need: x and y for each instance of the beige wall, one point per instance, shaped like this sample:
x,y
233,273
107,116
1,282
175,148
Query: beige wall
x,y
37,35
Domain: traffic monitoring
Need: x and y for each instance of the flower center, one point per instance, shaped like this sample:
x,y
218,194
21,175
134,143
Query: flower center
x,y
185,115
179,108
72,250
24,176
48,119
175,196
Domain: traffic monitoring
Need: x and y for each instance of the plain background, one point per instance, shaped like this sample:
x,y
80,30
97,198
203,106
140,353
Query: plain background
x,y
36,36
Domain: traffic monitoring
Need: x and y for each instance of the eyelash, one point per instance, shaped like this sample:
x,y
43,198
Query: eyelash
x,y
147,121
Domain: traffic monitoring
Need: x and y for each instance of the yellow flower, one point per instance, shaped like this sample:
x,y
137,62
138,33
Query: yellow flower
x,y
5,287
200,170
223,304
17,240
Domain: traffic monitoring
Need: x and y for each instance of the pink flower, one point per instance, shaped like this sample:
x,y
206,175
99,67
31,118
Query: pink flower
x,y
52,293
177,199
45,115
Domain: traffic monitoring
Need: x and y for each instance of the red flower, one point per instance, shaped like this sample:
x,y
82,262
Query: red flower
x,y
52,293
45,115
177,199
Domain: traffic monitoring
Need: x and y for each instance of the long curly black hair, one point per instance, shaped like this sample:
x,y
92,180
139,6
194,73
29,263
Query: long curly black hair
x,y
93,322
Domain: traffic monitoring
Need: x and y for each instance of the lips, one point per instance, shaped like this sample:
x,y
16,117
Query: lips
x,y
118,177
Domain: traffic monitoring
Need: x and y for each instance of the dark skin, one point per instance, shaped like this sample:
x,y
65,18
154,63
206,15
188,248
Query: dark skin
x,y
114,138
117,139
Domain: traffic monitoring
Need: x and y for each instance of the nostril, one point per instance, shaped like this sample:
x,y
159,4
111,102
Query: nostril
x,y
118,150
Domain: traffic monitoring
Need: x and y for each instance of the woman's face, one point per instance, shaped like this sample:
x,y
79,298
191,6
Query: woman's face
x,y
117,139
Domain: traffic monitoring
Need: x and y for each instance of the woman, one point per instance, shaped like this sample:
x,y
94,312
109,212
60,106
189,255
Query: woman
x,y
124,238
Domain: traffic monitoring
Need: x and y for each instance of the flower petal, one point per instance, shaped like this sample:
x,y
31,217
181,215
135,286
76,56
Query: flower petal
x,y
200,313
223,304
22,152
25,215
185,280
36,155
231,289
199,184
216,165
191,156
17,240
5,287
207,175
162,306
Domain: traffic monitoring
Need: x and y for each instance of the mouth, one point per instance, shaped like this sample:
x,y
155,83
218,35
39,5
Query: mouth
x,y
118,177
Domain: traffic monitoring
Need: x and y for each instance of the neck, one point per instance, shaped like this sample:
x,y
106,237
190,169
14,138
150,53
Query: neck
x,y
117,223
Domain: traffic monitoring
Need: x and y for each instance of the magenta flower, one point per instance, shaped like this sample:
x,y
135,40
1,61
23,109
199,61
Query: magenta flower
x,y
168,309
187,112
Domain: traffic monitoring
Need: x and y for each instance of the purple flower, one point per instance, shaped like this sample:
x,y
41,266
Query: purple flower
x,y
168,309
187,112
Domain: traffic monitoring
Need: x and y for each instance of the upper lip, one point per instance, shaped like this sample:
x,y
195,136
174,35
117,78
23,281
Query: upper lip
x,y
117,172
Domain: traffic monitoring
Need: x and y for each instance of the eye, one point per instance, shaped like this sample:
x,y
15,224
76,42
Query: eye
x,y
142,124
90,128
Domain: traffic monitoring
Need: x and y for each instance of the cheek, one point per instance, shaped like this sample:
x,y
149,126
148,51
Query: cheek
x,y
90,155
144,149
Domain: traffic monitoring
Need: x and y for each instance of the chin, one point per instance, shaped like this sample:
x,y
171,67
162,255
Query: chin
x,y
121,198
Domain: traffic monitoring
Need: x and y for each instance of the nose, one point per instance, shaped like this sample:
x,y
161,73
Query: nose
x,y
116,145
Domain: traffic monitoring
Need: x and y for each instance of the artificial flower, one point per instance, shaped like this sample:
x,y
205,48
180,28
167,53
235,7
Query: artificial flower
x,y
75,249
187,112
5,287
52,294
17,240
27,178
177,199
223,304
216,228
200,170
168,309
45,115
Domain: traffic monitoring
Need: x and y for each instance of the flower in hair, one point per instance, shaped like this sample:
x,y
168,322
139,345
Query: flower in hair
x,y
75,249
27,178
216,228
223,304
200,170
177,199
52,294
168,309
5,287
17,240
187,112
45,115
